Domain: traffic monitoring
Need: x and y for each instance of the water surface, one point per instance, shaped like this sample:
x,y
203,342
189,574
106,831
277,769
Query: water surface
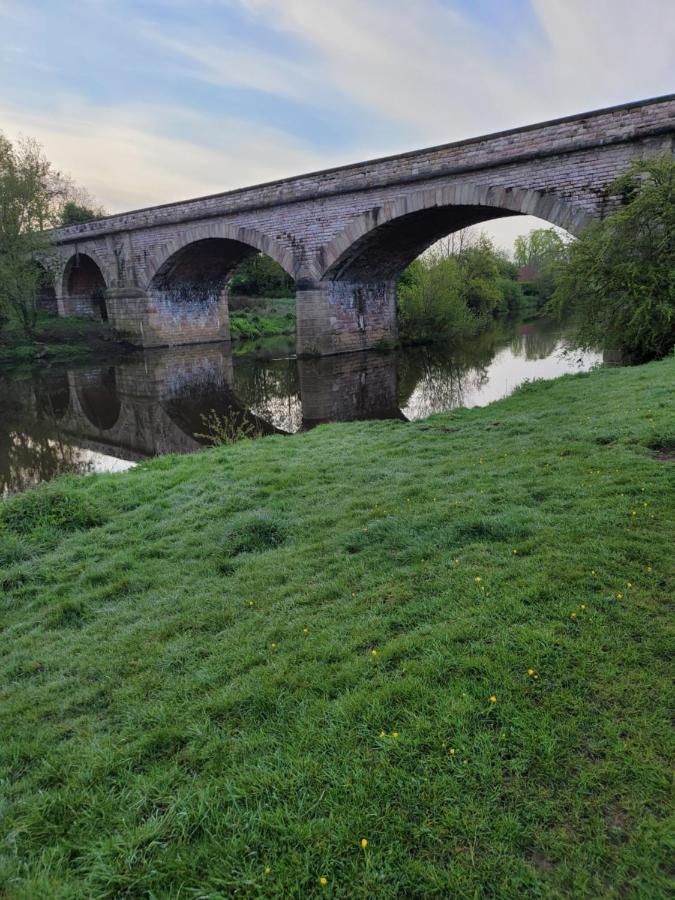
x,y
111,415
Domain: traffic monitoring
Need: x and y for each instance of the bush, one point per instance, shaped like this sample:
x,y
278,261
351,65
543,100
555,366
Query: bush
x,y
619,282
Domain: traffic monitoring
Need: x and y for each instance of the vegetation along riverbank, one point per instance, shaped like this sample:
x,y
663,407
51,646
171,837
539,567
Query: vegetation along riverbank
x,y
376,659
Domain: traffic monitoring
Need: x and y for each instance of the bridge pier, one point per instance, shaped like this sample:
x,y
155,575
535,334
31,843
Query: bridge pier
x,y
342,316
157,319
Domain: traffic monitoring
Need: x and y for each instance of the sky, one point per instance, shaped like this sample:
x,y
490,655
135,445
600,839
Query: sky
x,y
151,101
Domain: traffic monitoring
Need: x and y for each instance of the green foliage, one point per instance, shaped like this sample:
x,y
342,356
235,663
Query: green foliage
x,y
448,294
77,213
429,302
227,428
167,730
620,280
544,251
261,276
33,197
479,275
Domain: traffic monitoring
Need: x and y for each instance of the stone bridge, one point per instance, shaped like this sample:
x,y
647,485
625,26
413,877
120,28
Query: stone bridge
x,y
344,234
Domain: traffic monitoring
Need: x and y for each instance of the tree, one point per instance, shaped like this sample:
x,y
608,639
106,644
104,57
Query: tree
x,y
33,196
75,213
620,279
544,252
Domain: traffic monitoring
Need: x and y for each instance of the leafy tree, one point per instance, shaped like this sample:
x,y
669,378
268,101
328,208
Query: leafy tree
x,y
620,279
456,287
479,273
261,276
33,197
544,251
430,304
75,213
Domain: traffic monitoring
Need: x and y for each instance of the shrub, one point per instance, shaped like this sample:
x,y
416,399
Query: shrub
x,y
620,279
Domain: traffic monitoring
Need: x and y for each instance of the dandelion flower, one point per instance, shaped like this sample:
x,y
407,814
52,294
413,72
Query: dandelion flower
x,y
477,579
530,672
452,751
268,869
323,881
382,734
493,699
305,630
364,843
629,584
394,734
274,646
573,615
619,596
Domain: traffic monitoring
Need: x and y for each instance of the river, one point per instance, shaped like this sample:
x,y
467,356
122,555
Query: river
x,y
108,416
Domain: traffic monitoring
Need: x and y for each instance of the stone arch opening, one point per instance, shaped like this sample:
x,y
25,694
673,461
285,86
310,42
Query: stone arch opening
x,y
193,292
99,399
360,267
381,242
84,287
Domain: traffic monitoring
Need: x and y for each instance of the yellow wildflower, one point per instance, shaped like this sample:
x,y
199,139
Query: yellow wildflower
x,y
619,596
452,751
305,630
364,843
493,699
373,652
530,672
323,881
268,869
477,579
394,734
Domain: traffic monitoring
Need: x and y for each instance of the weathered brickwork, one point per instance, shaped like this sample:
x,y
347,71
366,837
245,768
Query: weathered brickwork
x,y
345,234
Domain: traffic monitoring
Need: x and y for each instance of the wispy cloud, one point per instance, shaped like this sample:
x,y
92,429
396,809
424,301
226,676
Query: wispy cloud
x,y
146,103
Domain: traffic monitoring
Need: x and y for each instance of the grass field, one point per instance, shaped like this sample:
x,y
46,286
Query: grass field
x,y
374,660
261,317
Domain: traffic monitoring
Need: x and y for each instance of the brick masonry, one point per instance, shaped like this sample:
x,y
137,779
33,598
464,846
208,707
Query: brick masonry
x,y
344,234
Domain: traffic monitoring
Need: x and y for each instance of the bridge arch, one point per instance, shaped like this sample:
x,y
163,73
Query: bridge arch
x,y
242,243
99,400
84,286
382,241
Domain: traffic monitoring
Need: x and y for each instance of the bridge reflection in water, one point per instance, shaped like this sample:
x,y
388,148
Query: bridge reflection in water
x,y
108,416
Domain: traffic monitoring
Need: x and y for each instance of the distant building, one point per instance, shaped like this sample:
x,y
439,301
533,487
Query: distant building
x,y
527,273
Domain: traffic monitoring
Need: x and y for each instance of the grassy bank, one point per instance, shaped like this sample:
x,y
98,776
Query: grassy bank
x,y
222,674
256,317
56,338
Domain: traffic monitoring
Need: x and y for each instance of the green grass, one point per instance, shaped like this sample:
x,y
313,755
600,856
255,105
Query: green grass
x,y
261,317
57,338
221,672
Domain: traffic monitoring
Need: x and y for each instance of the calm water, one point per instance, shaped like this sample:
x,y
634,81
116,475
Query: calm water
x,y
108,416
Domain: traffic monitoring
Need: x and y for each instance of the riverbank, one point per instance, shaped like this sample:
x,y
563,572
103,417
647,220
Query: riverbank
x,y
448,639
58,339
